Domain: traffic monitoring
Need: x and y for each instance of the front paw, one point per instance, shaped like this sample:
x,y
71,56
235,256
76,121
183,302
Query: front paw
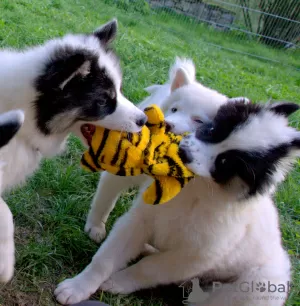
x,y
73,290
119,283
7,261
96,232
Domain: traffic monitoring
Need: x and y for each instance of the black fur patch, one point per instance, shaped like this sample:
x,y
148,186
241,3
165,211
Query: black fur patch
x,y
254,168
284,108
8,131
229,117
93,96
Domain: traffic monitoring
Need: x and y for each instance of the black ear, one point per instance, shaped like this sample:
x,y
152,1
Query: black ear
x,y
107,33
284,108
64,65
10,123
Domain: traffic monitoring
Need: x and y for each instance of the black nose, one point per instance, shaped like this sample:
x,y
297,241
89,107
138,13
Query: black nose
x,y
141,121
185,155
169,126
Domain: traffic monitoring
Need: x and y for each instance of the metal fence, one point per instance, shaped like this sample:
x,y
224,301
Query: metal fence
x,y
269,28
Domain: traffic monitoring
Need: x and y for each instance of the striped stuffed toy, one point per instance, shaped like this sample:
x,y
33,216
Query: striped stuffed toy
x,y
153,151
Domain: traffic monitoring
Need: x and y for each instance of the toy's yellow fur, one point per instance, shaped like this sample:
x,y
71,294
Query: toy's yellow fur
x,y
153,151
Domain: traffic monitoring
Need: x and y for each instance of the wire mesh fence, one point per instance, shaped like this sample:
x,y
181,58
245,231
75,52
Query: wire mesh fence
x,y
265,29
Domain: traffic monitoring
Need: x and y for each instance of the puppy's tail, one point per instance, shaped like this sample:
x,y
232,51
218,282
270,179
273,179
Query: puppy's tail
x,y
185,63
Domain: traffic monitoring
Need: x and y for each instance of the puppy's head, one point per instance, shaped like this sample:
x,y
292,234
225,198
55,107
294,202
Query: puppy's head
x,y
80,81
247,148
10,123
189,104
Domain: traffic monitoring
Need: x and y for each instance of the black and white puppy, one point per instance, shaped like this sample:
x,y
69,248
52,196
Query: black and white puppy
x,y
222,227
61,86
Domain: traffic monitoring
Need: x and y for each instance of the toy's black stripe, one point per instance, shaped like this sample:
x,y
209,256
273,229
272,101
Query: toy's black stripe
x,y
86,164
158,192
130,136
117,154
122,171
158,147
94,158
102,144
139,140
181,181
147,152
148,124
173,165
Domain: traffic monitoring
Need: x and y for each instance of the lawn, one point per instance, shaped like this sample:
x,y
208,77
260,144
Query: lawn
x,y
50,210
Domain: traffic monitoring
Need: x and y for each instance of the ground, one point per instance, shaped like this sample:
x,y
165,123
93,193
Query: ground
x,y
50,210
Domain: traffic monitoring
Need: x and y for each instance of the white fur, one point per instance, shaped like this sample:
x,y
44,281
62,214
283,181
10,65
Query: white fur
x,y
22,156
201,232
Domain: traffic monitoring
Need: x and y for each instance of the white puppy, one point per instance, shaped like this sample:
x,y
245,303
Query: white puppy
x,y
187,105
222,226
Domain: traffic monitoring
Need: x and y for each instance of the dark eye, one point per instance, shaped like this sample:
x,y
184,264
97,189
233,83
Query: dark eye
x,y
223,161
174,110
197,120
113,95
205,133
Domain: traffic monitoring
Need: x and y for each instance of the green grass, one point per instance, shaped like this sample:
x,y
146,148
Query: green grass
x,y
50,210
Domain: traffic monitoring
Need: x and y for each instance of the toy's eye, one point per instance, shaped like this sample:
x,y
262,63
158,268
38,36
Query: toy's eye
x,y
174,110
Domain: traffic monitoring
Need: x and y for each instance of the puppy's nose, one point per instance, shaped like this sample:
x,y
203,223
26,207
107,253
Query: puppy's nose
x,y
141,121
169,126
185,155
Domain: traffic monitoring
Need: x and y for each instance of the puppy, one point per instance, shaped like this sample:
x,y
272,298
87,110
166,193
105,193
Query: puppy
x,y
61,86
222,226
187,105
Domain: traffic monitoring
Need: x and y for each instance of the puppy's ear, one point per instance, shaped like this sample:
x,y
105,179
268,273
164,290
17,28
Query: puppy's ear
x,y
181,78
107,33
66,64
10,124
284,108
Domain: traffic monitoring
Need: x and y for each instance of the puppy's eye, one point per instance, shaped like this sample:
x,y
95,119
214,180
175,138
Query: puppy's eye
x,y
223,161
174,110
197,120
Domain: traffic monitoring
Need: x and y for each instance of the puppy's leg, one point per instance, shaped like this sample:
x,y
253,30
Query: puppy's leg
x,y
125,242
7,248
161,268
109,188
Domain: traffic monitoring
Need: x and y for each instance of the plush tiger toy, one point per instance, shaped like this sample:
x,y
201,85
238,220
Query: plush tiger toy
x,y
153,151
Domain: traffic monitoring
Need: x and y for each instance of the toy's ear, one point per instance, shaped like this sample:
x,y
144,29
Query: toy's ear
x,y
155,115
181,78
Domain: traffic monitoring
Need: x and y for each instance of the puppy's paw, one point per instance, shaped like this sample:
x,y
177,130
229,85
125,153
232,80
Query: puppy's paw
x,y
119,283
7,261
73,291
95,232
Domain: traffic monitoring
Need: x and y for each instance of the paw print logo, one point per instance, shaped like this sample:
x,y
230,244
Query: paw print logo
x,y
261,287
